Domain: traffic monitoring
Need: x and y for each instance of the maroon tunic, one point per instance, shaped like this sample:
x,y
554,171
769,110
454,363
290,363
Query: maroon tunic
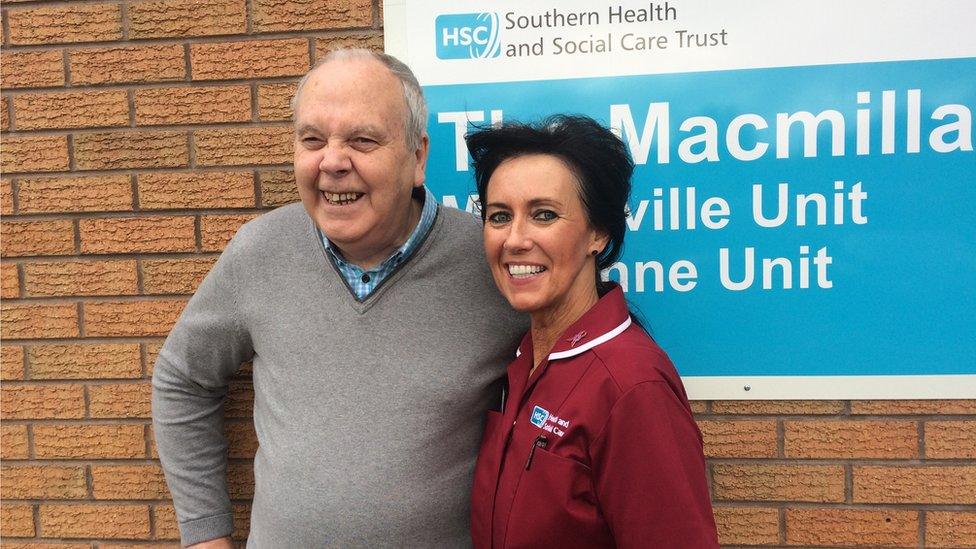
x,y
597,449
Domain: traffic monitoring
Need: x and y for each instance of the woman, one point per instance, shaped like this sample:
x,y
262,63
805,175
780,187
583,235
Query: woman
x,y
595,445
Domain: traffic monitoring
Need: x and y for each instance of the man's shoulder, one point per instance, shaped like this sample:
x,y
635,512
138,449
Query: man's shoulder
x,y
275,228
461,225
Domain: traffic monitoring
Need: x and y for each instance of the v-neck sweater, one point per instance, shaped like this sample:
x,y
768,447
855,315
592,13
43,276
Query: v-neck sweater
x,y
367,414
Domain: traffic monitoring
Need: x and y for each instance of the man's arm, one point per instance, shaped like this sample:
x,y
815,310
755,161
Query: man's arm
x,y
190,378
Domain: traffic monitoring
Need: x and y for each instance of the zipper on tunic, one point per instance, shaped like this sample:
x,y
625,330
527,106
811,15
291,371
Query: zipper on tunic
x,y
540,442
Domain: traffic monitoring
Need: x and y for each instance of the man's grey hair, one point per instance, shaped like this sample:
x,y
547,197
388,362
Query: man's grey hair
x,y
415,122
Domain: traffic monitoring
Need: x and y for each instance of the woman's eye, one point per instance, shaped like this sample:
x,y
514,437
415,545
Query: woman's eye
x,y
498,218
546,215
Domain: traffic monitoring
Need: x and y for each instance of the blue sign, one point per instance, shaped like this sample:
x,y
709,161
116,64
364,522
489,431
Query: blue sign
x,y
539,416
792,221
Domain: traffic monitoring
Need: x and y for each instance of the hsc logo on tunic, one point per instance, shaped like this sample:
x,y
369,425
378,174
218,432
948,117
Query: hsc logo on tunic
x,y
467,36
539,416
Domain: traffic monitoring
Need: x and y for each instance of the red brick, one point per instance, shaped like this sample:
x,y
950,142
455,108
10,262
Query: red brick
x,y
131,318
75,194
61,24
250,59
16,521
128,482
739,438
167,527
43,401
95,521
152,353
4,126
32,69
851,439
85,441
778,407
126,149
197,105
950,439
34,321
26,238
233,189
35,153
240,400
65,278
240,480
137,235
217,230
6,185
278,188
125,64
184,19
747,525
12,358
175,276
243,146
13,442
817,483
89,109
852,527
46,544
949,484
10,281
83,361
292,15
370,40
913,407
44,482
242,441
274,101
950,529
120,400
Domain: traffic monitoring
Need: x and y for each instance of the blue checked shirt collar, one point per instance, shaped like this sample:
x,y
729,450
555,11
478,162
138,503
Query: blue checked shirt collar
x,y
364,282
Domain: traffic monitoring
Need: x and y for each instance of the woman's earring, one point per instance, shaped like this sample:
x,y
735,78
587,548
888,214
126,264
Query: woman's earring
x,y
594,252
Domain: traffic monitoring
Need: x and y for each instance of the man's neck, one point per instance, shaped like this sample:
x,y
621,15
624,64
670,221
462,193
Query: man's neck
x,y
367,259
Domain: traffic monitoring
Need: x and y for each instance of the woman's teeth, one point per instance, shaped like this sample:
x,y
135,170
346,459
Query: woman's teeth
x,y
341,199
524,270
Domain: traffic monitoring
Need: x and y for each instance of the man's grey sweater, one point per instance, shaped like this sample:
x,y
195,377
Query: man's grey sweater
x,y
368,414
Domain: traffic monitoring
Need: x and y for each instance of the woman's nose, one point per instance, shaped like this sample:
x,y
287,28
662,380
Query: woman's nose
x,y
517,238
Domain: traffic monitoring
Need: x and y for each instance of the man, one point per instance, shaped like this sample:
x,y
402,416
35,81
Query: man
x,y
375,332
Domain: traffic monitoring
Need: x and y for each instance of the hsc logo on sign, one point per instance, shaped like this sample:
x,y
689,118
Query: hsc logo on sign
x,y
467,36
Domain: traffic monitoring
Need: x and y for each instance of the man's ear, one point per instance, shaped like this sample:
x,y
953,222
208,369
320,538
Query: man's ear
x,y
420,174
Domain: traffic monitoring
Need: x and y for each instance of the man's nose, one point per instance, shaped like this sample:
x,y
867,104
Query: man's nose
x,y
335,160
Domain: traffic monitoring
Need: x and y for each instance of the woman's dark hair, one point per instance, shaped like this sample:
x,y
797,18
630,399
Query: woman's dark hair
x,y
598,158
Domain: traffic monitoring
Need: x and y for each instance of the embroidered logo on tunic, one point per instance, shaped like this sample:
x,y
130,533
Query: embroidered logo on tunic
x,y
576,338
539,416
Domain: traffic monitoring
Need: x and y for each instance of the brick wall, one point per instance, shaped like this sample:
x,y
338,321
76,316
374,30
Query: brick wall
x,y
138,135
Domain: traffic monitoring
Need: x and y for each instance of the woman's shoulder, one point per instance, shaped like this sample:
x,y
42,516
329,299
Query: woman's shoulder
x,y
633,358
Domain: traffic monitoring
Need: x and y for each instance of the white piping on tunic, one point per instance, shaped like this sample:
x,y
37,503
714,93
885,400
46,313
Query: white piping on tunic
x,y
589,345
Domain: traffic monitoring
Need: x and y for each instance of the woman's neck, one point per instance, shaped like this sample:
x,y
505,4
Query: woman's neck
x,y
549,324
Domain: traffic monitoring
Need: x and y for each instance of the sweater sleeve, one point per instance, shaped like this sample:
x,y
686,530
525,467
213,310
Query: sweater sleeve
x,y
205,348
649,472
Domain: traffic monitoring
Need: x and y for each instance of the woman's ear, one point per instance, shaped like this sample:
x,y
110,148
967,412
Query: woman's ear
x,y
599,242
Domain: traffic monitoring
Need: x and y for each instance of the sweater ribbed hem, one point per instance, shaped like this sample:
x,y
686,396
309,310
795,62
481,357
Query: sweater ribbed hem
x,y
207,528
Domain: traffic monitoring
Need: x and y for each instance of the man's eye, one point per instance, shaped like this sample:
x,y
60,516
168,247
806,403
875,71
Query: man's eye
x,y
363,141
546,215
498,218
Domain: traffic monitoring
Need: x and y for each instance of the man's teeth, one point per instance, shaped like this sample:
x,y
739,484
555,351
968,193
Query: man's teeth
x,y
342,198
525,270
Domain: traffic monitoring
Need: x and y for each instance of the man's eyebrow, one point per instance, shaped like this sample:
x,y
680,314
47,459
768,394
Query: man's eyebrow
x,y
302,128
